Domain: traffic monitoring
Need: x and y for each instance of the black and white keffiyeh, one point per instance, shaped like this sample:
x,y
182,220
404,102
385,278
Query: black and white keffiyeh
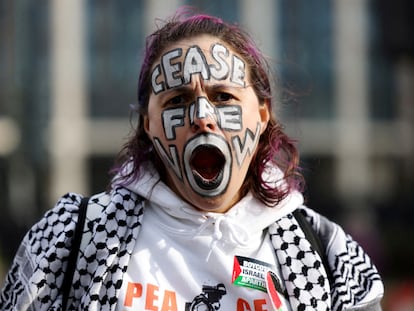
x,y
355,282
37,273
305,278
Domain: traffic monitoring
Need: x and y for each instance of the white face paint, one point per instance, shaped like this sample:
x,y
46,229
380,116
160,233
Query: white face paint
x,y
171,70
172,118
195,62
228,118
248,146
221,70
170,158
177,71
204,122
202,109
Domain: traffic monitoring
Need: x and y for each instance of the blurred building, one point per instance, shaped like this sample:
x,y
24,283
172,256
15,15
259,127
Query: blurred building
x,y
68,74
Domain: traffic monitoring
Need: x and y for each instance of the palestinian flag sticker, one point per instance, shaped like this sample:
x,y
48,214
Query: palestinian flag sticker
x,y
249,272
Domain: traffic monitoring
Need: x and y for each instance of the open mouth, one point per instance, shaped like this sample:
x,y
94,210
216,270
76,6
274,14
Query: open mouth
x,y
207,163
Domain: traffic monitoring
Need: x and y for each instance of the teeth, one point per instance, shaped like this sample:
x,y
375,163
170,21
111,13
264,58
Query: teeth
x,y
208,183
207,175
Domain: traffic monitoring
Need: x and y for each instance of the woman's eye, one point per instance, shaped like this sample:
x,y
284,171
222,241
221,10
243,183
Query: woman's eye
x,y
176,100
223,97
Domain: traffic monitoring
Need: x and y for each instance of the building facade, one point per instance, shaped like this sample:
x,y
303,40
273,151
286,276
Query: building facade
x,y
68,73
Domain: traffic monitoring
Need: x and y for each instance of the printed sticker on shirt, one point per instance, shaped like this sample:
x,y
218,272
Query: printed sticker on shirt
x,y
274,289
249,272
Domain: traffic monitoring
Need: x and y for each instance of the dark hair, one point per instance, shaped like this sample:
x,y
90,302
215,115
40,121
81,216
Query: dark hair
x,y
274,147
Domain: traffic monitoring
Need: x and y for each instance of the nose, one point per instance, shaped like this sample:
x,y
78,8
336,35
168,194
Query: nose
x,y
206,124
204,116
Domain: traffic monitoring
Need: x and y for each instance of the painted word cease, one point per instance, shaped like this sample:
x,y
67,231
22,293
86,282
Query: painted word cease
x,y
174,71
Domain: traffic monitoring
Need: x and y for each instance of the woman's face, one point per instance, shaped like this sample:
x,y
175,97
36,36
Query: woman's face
x,y
204,120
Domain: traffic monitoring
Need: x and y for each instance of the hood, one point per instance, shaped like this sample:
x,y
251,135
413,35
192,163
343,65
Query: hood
x,y
245,221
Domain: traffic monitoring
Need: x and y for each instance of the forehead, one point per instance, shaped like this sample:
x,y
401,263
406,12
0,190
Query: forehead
x,y
204,41
204,55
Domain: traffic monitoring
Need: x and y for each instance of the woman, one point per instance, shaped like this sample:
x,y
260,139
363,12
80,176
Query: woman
x,y
203,210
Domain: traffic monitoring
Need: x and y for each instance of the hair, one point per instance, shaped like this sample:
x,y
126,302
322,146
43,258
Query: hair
x,y
274,147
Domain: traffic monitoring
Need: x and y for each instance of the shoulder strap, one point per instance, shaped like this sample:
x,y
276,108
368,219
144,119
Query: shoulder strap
x,y
73,255
314,240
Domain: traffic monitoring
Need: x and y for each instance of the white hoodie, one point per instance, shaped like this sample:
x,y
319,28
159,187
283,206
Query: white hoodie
x,y
185,259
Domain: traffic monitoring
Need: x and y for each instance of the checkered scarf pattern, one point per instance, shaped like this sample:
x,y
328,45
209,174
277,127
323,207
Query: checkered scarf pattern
x,y
36,275
353,277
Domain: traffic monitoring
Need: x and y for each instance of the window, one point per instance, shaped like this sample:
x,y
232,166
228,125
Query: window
x,y
227,10
114,41
306,56
381,71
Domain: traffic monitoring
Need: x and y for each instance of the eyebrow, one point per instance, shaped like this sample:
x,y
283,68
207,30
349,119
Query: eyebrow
x,y
221,86
182,89
188,89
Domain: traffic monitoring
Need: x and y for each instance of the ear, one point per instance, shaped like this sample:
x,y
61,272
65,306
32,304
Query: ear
x,y
264,114
145,124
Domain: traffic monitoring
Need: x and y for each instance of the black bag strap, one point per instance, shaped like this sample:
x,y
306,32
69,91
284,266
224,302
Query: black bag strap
x,y
73,255
314,240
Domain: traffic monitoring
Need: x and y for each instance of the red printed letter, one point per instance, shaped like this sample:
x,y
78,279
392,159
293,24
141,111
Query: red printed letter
x,y
243,305
152,296
258,305
170,302
134,290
